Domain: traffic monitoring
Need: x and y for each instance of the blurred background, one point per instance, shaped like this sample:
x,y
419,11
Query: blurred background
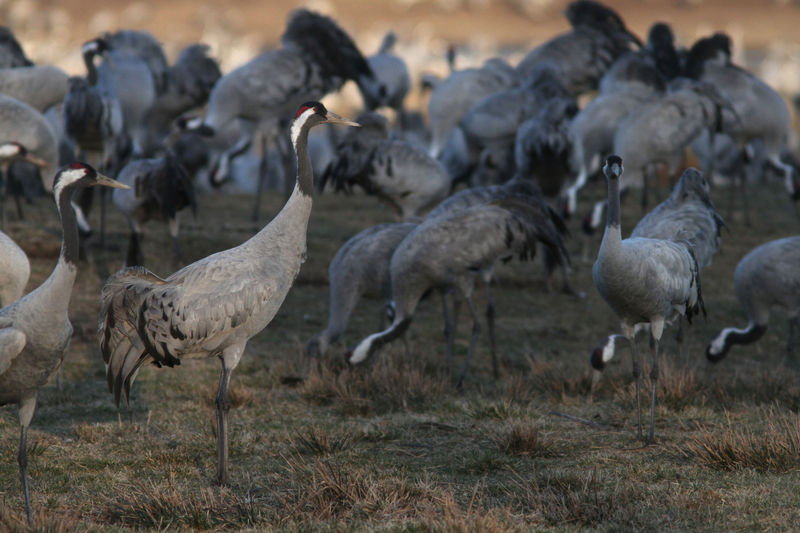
x,y
765,33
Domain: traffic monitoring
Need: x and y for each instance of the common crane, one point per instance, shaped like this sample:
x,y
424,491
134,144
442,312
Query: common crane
x,y
360,267
768,276
35,330
645,281
212,307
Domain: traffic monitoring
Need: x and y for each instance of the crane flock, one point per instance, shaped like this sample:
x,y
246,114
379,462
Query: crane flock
x,y
524,139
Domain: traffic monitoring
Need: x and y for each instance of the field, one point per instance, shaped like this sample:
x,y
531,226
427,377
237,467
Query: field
x,y
391,444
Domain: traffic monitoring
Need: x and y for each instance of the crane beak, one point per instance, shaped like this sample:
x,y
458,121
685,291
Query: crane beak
x,y
35,160
333,118
105,181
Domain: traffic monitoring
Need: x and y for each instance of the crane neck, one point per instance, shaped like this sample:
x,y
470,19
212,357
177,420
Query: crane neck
x,y
69,227
91,69
613,232
305,175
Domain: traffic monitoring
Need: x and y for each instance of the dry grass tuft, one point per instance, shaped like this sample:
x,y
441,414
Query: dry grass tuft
x,y
774,448
678,387
384,386
319,441
565,499
321,489
165,506
558,381
44,520
523,438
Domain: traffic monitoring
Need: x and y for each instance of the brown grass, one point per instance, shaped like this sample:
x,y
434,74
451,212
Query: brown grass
x,y
774,448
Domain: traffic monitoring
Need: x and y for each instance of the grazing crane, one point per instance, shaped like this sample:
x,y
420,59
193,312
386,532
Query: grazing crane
x,y
394,170
449,252
391,72
582,55
360,267
645,281
9,153
492,124
758,111
159,189
635,78
187,85
11,53
659,132
317,57
454,96
212,307
768,276
20,123
687,216
15,269
35,330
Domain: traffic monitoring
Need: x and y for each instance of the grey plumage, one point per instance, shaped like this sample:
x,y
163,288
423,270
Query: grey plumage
x,y
397,172
35,330
454,96
767,277
644,281
212,307
159,189
659,131
187,85
360,267
758,111
449,252
544,145
688,217
391,73
316,57
40,86
582,55
15,269
21,123
12,153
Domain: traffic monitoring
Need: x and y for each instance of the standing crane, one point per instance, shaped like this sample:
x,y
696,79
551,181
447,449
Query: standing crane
x,y
9,153
212,307
644,281
687,216
35,330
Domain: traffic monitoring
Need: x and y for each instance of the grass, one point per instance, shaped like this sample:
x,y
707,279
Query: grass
x,y
391,444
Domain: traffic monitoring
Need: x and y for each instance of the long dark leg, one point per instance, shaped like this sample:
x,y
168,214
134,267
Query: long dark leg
x,y
22,460
681,339
223,406
745,200
448,332
653,389
794,325
3,178
490,326
103,201
476,329
637,372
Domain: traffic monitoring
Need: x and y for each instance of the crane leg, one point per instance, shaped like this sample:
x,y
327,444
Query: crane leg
x,y
490,327
476,329
681,339
794,324
630,334
3,178
656,329
26,407
745,200
448,332
223,406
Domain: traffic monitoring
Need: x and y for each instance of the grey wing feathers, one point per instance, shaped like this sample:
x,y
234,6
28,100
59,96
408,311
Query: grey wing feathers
x,y
122,348
12,342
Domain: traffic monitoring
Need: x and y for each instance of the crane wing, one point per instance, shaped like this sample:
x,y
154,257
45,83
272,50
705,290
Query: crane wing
x,y
12,342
